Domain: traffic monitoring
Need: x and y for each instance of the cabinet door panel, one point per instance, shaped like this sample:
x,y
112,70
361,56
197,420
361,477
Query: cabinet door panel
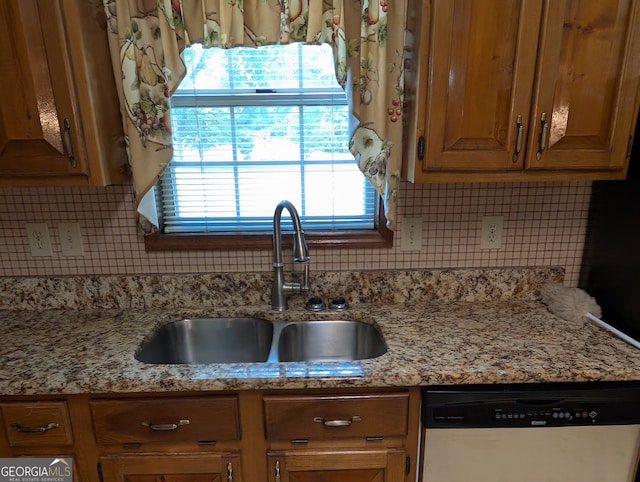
x,y
196,467
337,466
36,97
587,83
481,71
133,420
290,417
37,424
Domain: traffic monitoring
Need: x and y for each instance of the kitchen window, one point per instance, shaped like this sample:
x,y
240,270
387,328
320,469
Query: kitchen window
x,y
250,128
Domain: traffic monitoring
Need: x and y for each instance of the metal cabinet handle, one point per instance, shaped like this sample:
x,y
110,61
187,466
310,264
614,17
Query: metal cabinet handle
x,y
229,472
338,422
519,138
544,135
34,429
66,135
277,471
165,426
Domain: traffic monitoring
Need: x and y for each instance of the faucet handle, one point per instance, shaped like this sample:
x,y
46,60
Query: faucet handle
x,y
338,303
315,303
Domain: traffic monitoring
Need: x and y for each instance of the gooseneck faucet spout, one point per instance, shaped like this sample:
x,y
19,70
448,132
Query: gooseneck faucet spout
x,y
281,289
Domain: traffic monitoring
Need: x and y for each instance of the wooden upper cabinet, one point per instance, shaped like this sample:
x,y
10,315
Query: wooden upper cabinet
x,y
59,110
496,78
586,86
481,79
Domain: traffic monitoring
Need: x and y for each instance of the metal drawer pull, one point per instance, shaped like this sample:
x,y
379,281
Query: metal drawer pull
x,y
544,135
67,142
36,429
336,423
165,426
520,129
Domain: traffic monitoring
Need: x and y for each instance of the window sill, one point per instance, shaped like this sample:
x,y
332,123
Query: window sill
x,y
380,238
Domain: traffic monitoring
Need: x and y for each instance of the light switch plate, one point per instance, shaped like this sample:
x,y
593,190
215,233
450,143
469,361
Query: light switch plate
x,y
411,234
70,239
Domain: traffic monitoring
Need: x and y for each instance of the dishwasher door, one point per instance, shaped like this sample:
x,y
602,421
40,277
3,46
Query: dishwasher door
x,y
531,433
531,454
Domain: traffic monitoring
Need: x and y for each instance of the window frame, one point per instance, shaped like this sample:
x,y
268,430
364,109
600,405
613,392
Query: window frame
x,y
380,237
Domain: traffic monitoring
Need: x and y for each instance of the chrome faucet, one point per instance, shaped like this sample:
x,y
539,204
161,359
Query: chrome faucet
x,y
281,289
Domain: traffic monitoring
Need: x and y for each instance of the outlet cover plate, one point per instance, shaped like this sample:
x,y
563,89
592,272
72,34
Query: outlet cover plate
x,y
39,240
491,233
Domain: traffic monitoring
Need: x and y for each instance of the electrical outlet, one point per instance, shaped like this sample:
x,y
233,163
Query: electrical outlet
x,y
491,234
70,239
39,240
411,234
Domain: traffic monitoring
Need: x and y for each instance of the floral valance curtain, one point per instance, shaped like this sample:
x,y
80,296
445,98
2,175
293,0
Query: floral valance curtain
x,y
367,36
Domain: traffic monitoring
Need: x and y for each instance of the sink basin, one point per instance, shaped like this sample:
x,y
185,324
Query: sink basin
x,y
330,340
252,340
209,340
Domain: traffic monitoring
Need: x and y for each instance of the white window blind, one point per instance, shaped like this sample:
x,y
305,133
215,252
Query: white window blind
x,y
252,127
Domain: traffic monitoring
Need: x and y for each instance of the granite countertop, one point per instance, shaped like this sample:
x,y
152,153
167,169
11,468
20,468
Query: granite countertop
x,y
58,351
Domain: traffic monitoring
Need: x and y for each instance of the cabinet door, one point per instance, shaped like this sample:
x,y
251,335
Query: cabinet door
x,y
482,62
36,99
200,467
336,416
584,104
337,466
166,420
37,424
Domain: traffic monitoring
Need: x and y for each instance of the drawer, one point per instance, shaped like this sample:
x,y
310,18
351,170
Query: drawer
x,y
336,416
165,420
36,424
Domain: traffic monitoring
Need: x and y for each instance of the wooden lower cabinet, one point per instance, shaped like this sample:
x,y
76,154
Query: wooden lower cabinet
x,y
363,435
346,465
163,467
39,429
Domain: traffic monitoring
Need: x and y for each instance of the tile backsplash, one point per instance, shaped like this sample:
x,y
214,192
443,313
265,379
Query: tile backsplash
x,y
544,226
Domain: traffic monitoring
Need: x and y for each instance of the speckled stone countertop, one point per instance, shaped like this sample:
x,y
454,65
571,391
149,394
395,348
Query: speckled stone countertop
x,y
435,343
513,339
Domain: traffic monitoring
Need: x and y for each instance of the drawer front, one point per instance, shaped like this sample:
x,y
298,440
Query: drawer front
x,y
336,416
165,420
37,424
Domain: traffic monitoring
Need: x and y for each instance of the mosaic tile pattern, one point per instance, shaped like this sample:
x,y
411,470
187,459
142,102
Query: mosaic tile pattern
x,y
544,225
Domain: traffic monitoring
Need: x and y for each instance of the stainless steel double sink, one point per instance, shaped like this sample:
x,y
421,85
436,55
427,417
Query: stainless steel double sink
x,y
254,340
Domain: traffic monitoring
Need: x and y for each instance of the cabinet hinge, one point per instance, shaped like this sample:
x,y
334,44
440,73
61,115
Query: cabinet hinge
x,y
421,148
407,465
100,476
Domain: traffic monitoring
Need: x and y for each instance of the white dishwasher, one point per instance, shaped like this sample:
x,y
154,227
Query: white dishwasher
x,y
531,433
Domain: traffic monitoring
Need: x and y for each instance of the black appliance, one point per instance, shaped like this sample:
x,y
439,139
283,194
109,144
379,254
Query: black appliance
x,y
611,263
531,405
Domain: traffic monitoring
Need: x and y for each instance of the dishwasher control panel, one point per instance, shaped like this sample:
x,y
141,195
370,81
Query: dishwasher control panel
x,y
517,407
